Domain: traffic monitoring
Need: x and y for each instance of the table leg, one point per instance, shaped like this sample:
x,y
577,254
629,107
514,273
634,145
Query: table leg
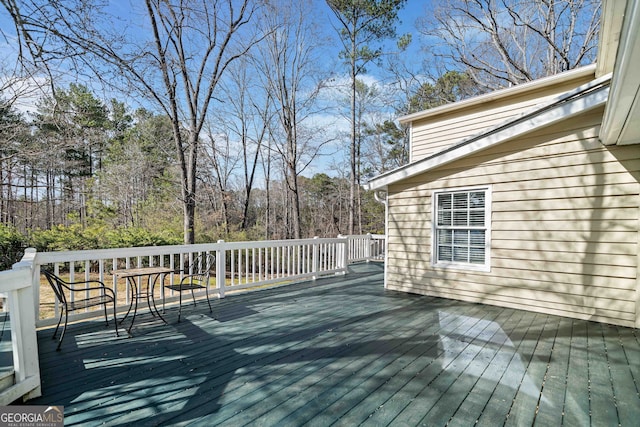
x,y
151,301
132,291
134,302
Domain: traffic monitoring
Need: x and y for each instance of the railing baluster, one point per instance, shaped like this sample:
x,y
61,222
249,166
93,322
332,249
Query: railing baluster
x,y
233,256
127,287
246,265
253,264
114,278
260,265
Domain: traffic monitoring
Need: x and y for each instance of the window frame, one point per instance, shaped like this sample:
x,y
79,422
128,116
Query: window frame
x,y
486,266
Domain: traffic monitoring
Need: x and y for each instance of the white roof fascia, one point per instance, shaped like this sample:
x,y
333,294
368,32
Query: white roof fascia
x,y
611,20
502,93
572,103
620,123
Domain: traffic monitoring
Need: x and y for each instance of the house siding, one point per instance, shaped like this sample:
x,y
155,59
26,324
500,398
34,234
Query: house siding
x,y
435,133
564,226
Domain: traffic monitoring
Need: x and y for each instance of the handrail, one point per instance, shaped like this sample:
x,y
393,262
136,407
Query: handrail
x,y
16,285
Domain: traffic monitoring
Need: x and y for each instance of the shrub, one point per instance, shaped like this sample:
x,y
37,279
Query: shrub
x,y
74,237
12,245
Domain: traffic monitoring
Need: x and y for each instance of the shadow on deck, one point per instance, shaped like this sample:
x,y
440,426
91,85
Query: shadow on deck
x,y
343,350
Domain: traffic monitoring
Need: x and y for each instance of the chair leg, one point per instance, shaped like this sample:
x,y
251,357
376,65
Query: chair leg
x,y
206,290
179,304
106,315
64,329
58,325
115,320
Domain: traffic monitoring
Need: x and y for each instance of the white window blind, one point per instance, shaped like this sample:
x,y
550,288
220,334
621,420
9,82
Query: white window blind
x,y
461,227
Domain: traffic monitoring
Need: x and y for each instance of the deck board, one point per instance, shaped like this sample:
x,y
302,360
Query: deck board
x,y
442,395
621,378
468,386
551,403
343,351
576,400
529,394
603,409
404,369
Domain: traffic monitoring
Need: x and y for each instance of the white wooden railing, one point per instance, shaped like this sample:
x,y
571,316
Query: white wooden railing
x,y
239,266
16,287
366,248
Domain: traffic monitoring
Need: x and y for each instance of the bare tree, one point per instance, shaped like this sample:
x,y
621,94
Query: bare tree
x,y
13,132
244,116
221,155
361,23
289,59
191,45
505,42
18,150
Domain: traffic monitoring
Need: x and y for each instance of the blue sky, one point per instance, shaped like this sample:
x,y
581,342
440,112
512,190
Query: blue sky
x,y
412,10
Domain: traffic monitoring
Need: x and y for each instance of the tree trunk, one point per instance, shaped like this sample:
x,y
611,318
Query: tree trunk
x,y
352,157
190,199
295,204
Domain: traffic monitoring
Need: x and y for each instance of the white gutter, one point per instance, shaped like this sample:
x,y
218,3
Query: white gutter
x,y
622,115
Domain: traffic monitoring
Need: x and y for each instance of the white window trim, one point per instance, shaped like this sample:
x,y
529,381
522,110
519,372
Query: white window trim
x,y
487,237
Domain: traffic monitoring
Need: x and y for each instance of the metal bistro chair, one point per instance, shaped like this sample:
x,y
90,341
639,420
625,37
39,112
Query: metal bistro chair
x,y
197,277
63,288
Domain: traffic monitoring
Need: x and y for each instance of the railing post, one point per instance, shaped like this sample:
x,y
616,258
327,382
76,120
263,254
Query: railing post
x,y
221,266
367,247
315,258
28,259
343,253
23,333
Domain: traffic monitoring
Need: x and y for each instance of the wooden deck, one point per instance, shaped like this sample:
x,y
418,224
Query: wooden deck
x,y
344,351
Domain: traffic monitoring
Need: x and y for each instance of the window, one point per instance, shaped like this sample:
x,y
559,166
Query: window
x,y
461,228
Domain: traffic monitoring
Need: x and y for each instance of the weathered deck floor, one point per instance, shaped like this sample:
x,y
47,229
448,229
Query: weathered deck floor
x,y
344,351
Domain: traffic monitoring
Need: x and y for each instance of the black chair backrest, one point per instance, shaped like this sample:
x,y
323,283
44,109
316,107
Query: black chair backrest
x,y
57,284
203,265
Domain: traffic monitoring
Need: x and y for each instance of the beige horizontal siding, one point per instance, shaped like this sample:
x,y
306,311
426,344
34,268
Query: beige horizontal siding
x,y
568,237
435,133
616,254
525,293
612,309
430,138
597,214
561,295
545,289
586,226
564,229
548,278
